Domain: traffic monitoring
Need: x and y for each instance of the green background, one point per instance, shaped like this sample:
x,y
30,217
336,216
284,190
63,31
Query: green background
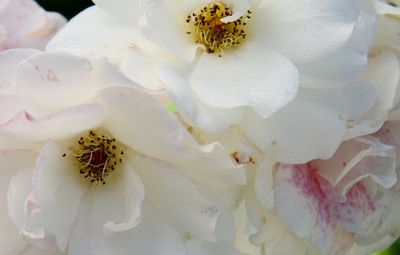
x,y
70,8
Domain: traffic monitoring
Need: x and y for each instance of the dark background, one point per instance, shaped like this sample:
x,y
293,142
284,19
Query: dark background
x,y
70,8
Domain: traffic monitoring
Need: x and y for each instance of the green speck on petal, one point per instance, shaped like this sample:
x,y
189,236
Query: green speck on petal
x,y
171,106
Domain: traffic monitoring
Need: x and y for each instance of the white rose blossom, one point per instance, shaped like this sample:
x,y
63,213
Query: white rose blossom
x,y
94,164
292,66
24,24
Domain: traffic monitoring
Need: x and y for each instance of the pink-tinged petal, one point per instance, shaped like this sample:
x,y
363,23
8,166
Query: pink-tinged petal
x,y
66,79
358,159
108,38
10,163
28,25
118,203
311,126
11,105
153,236
57,192
139,121
303,206
284,24
175,75
250,76
58,125
164,185
9,62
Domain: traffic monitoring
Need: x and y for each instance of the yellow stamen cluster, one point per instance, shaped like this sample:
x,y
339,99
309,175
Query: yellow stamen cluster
x,y
208,29
98,156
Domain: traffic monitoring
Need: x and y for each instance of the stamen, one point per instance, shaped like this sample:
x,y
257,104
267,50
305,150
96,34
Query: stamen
x,y
96,156
207,28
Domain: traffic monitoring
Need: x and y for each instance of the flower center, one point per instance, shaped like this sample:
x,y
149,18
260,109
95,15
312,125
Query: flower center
x,y
208,29
98,156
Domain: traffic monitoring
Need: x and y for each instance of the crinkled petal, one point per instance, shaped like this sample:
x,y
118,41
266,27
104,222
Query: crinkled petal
x,y
295,28
56,196
311,126
11,105
139,121
383,72
251,76
358,159
175,75
118,203
95,34
164,185
58,125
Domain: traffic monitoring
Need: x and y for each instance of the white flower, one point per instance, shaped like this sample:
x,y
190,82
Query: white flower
x,y
98,165
24,24
213,88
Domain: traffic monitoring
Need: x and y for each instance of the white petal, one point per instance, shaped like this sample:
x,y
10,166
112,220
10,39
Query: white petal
x,y
194,247
164,185
139,121
311,126
306,31
153,236
11,162
175,75
127,11
264,184
93,33
55,126
57,192
9,61
118,203
251,76
162,27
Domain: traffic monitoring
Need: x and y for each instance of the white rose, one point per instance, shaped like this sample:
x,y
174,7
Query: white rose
x,y
95,164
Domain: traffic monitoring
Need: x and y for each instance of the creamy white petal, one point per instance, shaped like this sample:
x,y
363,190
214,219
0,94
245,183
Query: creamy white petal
x,y
56,196
139,121
58,125
306,31
95,34
11,162
153,236
251,76
164,185
175,75
118,203
194,247
311,126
